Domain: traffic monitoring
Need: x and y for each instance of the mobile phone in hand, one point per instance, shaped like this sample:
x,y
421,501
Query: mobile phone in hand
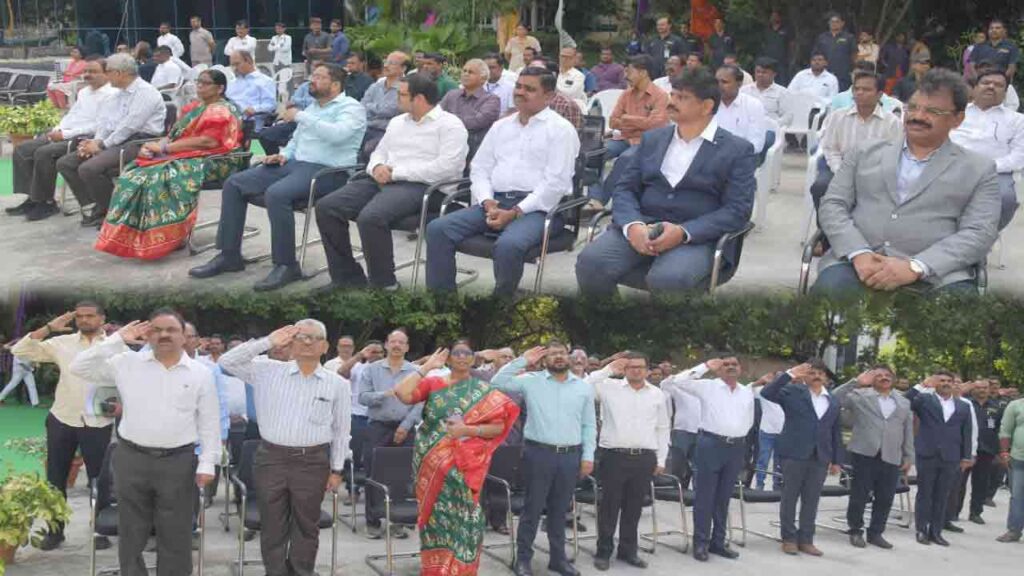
x,y
654,231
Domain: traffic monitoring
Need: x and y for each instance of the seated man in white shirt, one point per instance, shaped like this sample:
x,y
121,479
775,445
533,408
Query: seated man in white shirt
x,y
765,89
422,147
730,60
570,80
167,76
739,113
515,185
994,131
35,161
498,82
816,80
673,66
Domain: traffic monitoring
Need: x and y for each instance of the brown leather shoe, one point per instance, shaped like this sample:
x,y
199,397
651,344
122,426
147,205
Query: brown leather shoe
x,y
810,550
790,548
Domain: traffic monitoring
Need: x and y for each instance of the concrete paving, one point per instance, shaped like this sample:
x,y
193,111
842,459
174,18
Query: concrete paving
x,y
57,254
975,551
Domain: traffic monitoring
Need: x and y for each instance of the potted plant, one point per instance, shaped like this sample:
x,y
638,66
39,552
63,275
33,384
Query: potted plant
x,y
22,123
25,499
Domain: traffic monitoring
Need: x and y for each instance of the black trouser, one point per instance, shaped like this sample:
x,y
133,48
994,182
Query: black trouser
x,y
717,464
374,208
550,478
151,488
62,441
379,434
356,445
624,478
957,492
874,480
982,475
935,479
273,138
92,179
682,448
804,479
35,167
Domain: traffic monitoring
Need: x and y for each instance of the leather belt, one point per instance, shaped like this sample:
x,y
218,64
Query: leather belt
x,y
725,439
158,452
631,451
554,448
294,450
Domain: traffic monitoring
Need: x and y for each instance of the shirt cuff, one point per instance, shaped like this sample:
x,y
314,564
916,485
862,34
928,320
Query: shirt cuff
x,y
205,468
625,229
925,267
304,117
856,253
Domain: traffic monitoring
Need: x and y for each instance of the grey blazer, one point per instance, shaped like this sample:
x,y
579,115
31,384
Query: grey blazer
x,y
949,220
893,436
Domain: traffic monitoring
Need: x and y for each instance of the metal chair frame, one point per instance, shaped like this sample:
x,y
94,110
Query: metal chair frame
x,y
743,529
390,555
684,529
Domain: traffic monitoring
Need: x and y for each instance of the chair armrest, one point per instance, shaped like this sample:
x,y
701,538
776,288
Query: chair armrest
x,y
500,481
238,484
460,192
729,236
371,483
570,204
230,155
354,168
808,254
772,473
595,221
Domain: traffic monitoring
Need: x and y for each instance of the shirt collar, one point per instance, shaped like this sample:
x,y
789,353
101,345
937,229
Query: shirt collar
x,y
708,133
824,392
99,338
907,155
185,361
877,112
434,114
474,94
131,88
293,368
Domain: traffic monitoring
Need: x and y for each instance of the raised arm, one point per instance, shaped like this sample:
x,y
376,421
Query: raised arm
x,y
34,348
508,379
240,361
95,364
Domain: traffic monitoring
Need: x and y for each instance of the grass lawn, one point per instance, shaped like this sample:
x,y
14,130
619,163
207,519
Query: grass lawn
x,y
6,178
17,421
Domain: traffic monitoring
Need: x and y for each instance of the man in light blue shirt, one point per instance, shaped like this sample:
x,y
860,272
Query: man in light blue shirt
x,y
329,134
251,90
561,435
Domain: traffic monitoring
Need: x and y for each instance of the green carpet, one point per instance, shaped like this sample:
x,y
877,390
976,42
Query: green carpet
x,y
18,422
6,176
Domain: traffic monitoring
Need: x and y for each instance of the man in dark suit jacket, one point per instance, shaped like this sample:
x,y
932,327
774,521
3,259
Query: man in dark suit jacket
x,y
686,186
808,447
942,443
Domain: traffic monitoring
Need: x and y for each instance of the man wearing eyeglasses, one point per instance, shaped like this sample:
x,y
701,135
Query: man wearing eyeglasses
x,y
920,214
304,413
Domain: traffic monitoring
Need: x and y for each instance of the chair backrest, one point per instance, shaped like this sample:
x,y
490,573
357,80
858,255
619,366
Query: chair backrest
x,y
105,494
226,71
20,83
607,99
5,79
38,84
245,465
798,106
392,467
507,465
170,116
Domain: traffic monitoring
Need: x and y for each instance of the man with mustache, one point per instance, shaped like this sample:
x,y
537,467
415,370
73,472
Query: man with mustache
x,y
994,131
921,214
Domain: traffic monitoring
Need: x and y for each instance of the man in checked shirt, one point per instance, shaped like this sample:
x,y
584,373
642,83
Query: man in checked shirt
x,y
304,413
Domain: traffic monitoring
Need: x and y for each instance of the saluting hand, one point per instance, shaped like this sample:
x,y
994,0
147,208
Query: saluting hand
x,y
535,355
61,323
436,361
800,372
134,332
283,336
714,365
618,366
866,378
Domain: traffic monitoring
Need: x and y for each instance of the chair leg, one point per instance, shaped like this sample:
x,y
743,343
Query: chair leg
x,y
543,254
334,531
387,534
202,529
241,537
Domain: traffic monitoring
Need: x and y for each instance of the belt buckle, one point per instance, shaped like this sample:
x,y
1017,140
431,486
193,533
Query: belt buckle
x,y
635,451
561,449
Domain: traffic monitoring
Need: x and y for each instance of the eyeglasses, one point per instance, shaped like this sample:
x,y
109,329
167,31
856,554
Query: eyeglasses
x,y
929,110
307,338
461,353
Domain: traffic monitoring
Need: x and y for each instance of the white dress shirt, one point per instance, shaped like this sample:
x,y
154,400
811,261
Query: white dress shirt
x,y
163,407
172,42
137,109
845,130
429,151
166,73
771,98
887,405
631,418
539,158
84,115
69,396
823,86
235,43
820,402
294,409
332,366
281,46
724,411
1012,101
687,406
571,85
503,90
744,118
995,133
234,389
773,418
974,426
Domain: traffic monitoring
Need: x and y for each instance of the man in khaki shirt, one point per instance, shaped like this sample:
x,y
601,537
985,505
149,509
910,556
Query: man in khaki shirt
x,y
70,425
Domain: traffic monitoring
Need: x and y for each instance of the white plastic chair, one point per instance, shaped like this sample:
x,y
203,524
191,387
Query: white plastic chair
x,y
226,71
767,173
811,176
607,99
281,80
797,106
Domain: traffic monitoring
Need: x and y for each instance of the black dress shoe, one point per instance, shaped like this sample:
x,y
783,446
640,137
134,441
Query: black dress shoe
x,y
102,542
565,569
41,211
279,277
601,564
634,561
522,569
952,528
700,554
877,540
923,538
938,539
94,220
977,519
218,265
724,552
20,209
51,541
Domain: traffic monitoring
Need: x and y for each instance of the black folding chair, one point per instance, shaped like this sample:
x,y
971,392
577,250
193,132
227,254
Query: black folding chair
x,y
668,488
503,488
17,86
392,477
35,92
753,496
5,79
244,481
356,479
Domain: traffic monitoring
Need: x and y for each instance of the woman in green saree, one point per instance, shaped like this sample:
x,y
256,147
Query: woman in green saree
x,y
464,422
157,197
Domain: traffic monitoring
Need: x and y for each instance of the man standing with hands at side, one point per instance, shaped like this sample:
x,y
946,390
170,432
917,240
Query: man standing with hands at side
x,y
808,447
881,448
304,413
169,402
634,445
560,433
727,414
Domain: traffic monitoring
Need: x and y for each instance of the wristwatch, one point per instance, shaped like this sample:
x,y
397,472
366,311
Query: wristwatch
x,y
917,268
338,472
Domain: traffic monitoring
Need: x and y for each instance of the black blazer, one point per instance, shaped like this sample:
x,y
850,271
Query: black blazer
x,y
949,441
804,432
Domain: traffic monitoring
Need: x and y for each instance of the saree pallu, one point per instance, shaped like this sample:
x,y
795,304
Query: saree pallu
x,y
156,200
450,472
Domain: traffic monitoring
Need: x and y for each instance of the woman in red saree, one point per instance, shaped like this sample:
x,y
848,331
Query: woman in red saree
x,y
157,197
464,422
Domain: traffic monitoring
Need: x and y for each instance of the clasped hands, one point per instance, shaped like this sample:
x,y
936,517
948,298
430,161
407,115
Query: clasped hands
x,y
883,272
498,218
639,238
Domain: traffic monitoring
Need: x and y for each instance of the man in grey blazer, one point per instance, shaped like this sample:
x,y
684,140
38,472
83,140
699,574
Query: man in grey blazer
x,y
919,216
882,446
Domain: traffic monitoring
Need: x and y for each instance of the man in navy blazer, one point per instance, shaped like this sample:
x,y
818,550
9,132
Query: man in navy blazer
x,y
808,447
687,185
942,444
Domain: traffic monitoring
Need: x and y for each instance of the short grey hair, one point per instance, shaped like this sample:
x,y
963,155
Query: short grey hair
x,y
480,65
245,55
122,63
317,325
